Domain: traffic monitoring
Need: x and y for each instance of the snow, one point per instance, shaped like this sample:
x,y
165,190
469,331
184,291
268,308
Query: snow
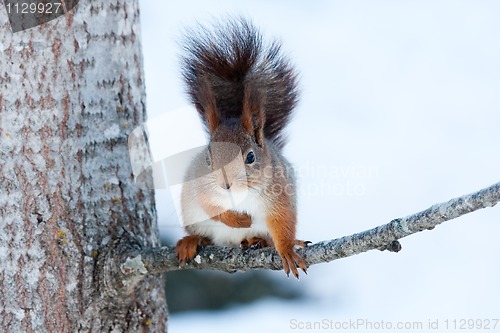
x,y
113,180
105,240
32,276
3,253
17,312
71,286
112,132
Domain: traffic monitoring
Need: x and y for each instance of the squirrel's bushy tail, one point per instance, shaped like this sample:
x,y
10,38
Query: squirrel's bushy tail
x,y
222,64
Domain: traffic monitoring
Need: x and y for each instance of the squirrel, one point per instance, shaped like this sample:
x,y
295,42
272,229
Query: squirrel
x,y
240,191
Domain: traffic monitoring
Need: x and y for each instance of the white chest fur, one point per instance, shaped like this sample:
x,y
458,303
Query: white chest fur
x,y
198,221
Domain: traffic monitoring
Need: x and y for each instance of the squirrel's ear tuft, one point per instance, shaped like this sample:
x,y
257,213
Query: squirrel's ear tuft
x,y
252,117
207,105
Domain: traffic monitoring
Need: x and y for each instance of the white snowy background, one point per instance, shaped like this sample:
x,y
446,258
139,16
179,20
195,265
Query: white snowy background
x,y
400,109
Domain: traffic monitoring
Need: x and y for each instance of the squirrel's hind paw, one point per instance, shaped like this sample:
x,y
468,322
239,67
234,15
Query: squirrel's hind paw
x,y
187,247
254,243
292,261
300,244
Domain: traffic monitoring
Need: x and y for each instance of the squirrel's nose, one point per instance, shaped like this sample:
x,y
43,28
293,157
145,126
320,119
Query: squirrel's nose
x,y
226,186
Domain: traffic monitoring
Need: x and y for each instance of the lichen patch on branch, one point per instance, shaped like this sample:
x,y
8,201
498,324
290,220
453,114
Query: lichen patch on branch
x,y
133,265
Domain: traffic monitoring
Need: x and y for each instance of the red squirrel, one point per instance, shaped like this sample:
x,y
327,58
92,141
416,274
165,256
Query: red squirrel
x,y
240,191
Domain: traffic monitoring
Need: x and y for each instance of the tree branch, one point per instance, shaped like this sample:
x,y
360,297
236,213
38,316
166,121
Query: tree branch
x,y
384,237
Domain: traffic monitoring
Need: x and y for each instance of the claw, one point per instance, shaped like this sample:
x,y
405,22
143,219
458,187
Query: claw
x,y
254,243
256,246
291,261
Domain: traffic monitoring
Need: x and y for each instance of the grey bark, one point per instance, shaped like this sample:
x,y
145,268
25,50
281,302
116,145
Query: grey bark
x,y
70,92
384,237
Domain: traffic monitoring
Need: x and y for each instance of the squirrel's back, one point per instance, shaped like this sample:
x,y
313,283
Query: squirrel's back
x,y
229,63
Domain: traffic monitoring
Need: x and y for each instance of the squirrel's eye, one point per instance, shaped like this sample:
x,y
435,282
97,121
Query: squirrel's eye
x,y
250,158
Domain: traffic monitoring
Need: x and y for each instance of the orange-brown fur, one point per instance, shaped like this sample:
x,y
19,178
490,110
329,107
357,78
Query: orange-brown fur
x,y
187,247
282,224
256,242
230,218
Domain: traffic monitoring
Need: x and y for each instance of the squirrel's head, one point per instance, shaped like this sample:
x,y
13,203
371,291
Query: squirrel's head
x,y
235,157
236,153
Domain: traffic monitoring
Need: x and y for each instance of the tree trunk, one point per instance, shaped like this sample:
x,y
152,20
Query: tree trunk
x,y
70,92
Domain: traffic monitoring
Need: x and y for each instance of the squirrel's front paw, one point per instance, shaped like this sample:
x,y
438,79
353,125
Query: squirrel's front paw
x,y
234,219
187,247
291,260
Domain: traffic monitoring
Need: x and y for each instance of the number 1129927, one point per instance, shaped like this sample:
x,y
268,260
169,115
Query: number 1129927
x,y
34,8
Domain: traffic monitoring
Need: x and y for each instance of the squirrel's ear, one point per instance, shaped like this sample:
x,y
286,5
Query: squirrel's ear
x,y
252,117
207,106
